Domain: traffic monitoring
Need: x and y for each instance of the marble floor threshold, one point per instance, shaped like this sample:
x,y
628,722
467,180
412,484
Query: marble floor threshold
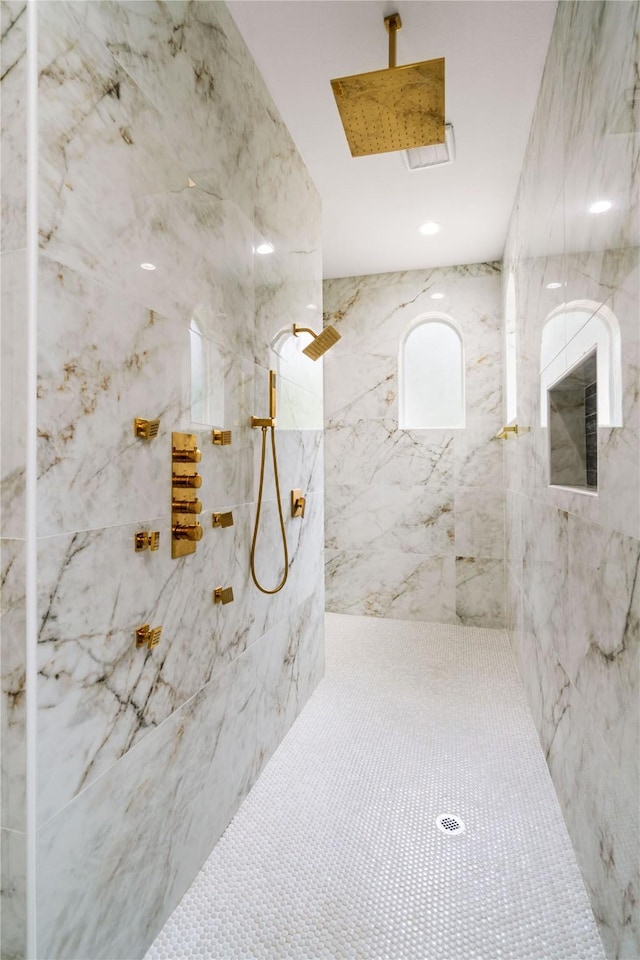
x,y
337,852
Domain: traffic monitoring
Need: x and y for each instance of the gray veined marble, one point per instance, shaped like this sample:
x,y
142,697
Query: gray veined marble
x,y
158,143
572,578
402,505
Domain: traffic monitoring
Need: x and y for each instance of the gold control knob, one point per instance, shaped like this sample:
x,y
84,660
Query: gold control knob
x,y
187,531
187,456
194,481
186,506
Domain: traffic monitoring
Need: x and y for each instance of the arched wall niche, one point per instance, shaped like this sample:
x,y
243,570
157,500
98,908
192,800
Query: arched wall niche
x,y
571,332
431,374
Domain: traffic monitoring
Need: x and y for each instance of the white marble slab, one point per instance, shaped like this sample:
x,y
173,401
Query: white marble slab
x,y
14,894
13,132
13,408
13,706
175,793
391,584
480,592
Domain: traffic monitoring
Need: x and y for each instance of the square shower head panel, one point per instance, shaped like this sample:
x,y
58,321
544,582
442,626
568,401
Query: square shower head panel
x,y
394,109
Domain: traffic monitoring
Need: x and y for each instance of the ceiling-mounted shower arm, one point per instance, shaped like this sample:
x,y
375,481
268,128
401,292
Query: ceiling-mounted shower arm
x,y
393,23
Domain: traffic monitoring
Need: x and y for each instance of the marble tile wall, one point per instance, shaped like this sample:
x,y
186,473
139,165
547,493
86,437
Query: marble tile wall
x,y
573,589
414,518
158,143
13,134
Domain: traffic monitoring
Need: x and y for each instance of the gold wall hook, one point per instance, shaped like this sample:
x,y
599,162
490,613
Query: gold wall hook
x,y
298,503
146,637
222,519
145,429
147,541
223,595
221,438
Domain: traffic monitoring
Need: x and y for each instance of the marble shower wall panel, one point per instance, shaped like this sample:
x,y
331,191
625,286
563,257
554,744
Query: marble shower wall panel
x,y
13,405
13,134
573,561
159,143
415,518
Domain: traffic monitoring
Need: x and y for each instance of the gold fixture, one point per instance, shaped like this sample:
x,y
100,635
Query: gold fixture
x,y
192,455
146,429
298,503
321,341
222,519
146,637
221,438
223,595
269,423
394,109
192,480
186,506
147,541
184,532
187,531
512,431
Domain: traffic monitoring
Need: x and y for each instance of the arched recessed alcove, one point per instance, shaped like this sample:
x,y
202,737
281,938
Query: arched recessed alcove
x,y
431,374
570,334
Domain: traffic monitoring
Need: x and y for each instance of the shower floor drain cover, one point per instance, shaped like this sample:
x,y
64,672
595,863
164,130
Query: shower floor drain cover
x,y
450,824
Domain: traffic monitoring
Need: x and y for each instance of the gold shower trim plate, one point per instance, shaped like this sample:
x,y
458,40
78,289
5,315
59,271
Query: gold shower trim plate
x,y
185,533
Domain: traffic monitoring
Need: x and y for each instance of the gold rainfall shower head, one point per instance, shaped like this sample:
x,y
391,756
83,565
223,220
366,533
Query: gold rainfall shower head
x,y
321,341
395,109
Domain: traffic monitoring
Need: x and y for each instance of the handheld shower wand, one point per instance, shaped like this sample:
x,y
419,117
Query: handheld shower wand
x,y
269,423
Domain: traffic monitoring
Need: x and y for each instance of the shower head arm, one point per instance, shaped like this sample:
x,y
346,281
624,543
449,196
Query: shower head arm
x,y
297,330
393,23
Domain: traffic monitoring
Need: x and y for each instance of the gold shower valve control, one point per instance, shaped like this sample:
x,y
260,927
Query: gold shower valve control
x,y
298,503
223,595
145,429
147,541
187,456
193,480
147,637
187,531
186,506
221,438
222,519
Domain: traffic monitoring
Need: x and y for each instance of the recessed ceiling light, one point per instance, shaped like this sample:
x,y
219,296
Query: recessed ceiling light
x,y
429,228
311,306
264,248
437,296
600,206
553,286
148,266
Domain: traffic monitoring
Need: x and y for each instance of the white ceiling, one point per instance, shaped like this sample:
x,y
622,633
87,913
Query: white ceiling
x,y
372,206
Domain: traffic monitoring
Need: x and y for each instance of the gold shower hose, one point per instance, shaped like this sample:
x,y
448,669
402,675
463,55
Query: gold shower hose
x,y
282,529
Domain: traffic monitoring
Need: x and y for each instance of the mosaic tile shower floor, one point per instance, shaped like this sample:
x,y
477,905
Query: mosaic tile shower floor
x,y
336,852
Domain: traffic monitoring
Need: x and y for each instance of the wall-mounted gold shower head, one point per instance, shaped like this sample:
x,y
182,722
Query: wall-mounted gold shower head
x,y
395,109
321,341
